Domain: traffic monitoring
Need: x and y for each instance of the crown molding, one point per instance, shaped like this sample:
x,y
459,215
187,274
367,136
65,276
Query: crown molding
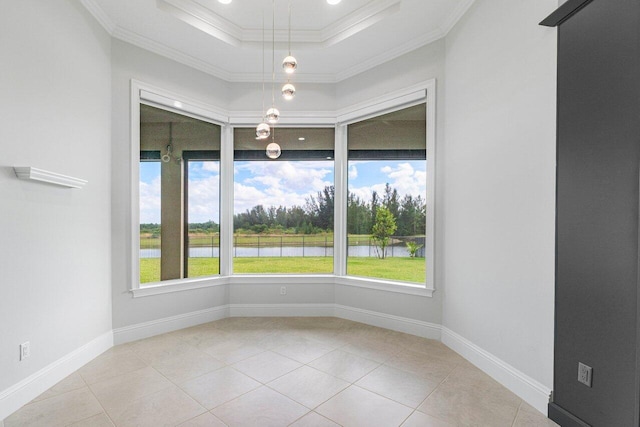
x,y
171,53
455,16
389,55
100,15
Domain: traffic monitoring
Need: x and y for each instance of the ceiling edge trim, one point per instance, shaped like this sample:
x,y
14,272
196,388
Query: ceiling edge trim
x,y
173,54
99,15
455,16
389,55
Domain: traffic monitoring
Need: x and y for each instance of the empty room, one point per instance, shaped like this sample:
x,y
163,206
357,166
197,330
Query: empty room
x,y
319,213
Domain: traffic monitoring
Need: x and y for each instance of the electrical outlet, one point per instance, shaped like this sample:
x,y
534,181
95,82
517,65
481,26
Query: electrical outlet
x,y
283,290
25,350
585,374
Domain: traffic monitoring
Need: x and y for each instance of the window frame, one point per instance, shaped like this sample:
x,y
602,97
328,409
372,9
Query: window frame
x,y
142,93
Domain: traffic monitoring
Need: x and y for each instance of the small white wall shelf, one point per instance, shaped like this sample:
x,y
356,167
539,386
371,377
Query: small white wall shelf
x,y
35,174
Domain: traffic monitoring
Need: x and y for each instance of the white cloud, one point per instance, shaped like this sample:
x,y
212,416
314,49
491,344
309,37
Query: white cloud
x,y
280,183
401,176
150,202
204,199
353,171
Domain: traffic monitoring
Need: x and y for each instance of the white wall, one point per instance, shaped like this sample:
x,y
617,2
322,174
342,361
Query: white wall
x,y
499,183
55,256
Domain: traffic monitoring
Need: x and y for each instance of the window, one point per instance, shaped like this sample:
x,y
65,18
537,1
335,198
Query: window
x,y
179,196
283,208
209,207
386,199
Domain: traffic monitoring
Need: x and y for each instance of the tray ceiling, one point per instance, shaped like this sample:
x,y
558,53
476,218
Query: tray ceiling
x,y
331,43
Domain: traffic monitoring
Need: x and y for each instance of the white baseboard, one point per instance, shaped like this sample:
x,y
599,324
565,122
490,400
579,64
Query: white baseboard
x,y
168,324
528,389
281,310
31,387
388,321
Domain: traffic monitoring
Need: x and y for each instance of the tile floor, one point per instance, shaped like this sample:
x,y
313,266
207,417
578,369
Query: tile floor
x,y
262,372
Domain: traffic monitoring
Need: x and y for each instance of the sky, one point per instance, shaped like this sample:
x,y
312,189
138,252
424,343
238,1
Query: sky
x,y
275,183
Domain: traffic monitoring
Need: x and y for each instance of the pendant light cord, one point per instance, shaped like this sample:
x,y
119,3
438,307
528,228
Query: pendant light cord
x,y
263,45
273,56
289,27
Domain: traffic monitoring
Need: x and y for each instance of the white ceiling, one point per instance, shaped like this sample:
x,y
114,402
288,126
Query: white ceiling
x,y
331,43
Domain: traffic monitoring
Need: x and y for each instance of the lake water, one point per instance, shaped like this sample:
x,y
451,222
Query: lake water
x,y
284,251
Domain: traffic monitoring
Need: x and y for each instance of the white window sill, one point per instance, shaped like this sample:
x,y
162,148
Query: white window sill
x,y
179,285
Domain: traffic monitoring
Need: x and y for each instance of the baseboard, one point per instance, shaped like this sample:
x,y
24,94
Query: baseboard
x,y
31,387
528,389
281,310
564,418
388,321
168,324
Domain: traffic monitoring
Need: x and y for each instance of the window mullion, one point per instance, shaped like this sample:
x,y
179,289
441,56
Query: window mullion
x,y
340,207
226,201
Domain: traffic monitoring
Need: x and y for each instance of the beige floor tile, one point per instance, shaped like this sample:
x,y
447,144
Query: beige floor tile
x,y
401,386
346,366
427,346
355,407
114,393
168,407
233,350
261,407
72,382
459,401
303,350
205,420
426,366
530,417
159,348
308,386
100,420
418,419
109,365
187,366
266,366
218,387
202,337
60,410
371,349
313,419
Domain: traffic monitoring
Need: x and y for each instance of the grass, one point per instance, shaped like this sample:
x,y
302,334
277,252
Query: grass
x,y
396,268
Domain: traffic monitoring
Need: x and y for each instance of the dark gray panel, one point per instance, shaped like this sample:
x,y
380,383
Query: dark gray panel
x,y
597,211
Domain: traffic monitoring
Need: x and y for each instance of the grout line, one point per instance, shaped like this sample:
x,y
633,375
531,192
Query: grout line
x,y
517,413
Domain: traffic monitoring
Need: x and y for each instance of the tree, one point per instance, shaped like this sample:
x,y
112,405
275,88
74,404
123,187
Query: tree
x,y
382,230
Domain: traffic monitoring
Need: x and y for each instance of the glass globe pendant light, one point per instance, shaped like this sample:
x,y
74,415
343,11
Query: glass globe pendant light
x,y
273,151
273,115
263,130
290,64
288,91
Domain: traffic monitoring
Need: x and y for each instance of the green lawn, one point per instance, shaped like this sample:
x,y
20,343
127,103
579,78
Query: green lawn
x,y
396,268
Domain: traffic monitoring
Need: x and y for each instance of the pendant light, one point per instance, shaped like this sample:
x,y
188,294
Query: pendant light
x,y
273,150
289,90
273,115
263,129
289,63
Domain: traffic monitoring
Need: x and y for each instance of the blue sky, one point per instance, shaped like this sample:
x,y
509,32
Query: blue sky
x,y
274,183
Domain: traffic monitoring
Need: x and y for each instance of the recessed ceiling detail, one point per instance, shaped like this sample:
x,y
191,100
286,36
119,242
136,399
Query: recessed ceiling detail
x,y
207,20
331,42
